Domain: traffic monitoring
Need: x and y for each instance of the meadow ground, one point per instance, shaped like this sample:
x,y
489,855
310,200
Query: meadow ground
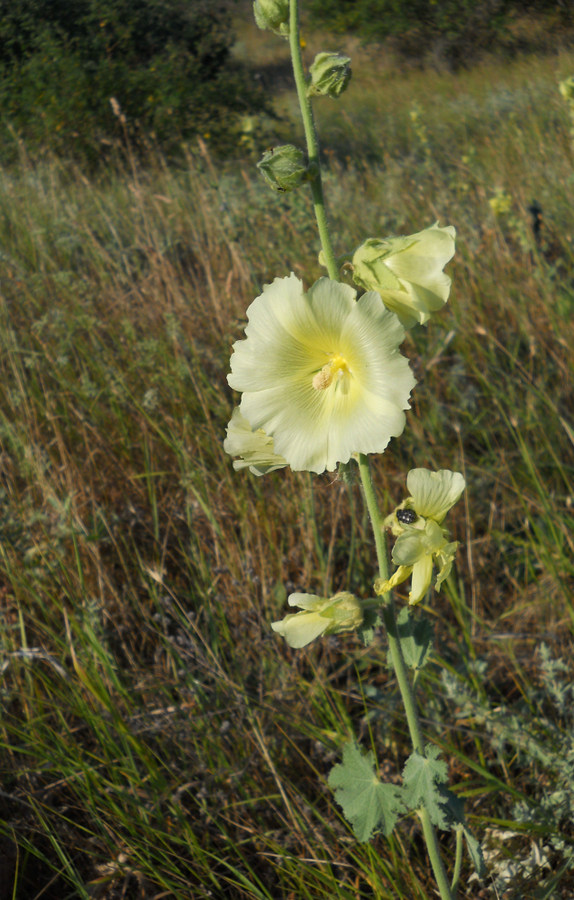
x,y
158,740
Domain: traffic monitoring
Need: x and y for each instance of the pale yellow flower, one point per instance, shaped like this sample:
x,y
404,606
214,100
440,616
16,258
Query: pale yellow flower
x,y
321,373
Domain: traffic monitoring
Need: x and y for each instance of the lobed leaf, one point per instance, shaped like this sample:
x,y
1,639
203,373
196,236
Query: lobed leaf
x,y
424,779
368,803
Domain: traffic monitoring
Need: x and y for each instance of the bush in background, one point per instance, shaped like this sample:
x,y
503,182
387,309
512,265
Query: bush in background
x,y
167,63
454,32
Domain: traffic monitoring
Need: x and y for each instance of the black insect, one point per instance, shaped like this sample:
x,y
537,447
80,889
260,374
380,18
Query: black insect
x,y
407,516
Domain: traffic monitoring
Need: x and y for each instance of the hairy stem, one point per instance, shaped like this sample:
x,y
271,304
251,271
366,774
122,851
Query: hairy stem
x,y
401,672
312,142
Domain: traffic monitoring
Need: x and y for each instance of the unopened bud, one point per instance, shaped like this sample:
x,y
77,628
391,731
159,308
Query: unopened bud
x,y
272,15
330,74
284,168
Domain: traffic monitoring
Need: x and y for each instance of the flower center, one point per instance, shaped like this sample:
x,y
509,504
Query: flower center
x,y
335,368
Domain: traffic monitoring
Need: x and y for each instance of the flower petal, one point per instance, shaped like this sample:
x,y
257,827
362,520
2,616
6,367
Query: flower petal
x,y
307,601
434,493
254,447
400,575
299,629
422,577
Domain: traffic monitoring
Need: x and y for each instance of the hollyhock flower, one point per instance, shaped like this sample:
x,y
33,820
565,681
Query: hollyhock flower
x,y
421,541
407,272
321,373
319,616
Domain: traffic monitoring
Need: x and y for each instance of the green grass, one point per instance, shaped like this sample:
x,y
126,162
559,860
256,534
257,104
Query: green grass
x,y
158,740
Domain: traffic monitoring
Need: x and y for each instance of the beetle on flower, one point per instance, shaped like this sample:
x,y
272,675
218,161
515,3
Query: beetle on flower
x,y
417,524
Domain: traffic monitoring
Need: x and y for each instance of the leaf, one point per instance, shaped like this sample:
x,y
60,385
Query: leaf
x,y
415,634
368,803
475,852
424,778
453,808
366,631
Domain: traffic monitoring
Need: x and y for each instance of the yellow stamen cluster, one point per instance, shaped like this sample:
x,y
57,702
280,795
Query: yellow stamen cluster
x,y
337,365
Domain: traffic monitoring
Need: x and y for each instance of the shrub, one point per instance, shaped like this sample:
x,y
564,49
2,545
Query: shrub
x,y
166,63
454,30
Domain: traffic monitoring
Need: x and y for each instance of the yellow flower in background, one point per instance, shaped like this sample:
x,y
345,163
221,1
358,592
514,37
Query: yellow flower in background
x,y
319,616
407,272
254,448
421,541
321,373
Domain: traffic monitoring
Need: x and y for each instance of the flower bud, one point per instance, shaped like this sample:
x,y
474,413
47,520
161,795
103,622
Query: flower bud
x,y
272,14
407,272
330,74
284,168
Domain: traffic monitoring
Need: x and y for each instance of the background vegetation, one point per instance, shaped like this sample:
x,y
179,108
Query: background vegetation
x,y
158,740
450,32
166,64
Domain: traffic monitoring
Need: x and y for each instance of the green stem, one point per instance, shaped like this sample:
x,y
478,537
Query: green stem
x,y
373,508
389,618
388,606
312,142
458,860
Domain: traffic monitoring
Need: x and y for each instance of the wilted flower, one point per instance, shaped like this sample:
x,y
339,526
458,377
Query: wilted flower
x,y
421,542
254,448
272,14
319,615
330,74
321,373
407,272
284,168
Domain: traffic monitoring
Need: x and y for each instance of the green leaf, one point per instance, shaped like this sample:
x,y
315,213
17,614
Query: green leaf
x,y
366,631
475,852
424,778
415,634
368,803
454,808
